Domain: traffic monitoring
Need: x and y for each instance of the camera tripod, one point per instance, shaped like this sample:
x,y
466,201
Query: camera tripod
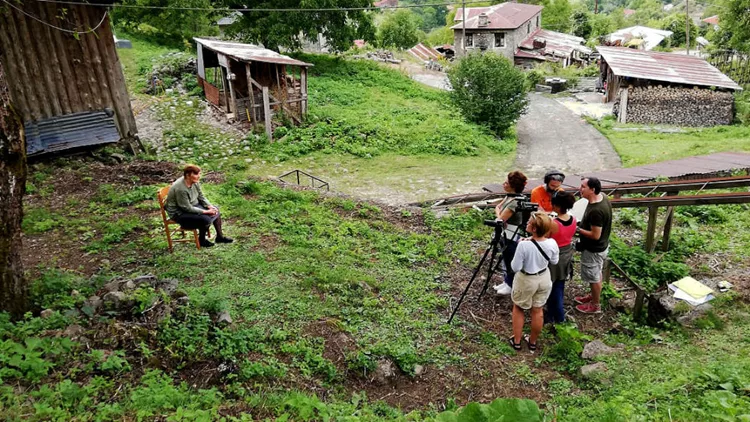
x,y
494,250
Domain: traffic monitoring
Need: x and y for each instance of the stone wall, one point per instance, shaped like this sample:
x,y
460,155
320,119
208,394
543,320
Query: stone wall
x,y
677,106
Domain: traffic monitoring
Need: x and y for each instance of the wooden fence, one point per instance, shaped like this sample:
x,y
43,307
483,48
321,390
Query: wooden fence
x,y
735,64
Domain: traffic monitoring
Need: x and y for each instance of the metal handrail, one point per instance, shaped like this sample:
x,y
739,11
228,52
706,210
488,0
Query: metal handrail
x,y
313,179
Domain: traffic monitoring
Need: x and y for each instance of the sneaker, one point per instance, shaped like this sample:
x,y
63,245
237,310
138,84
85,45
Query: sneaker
x,y
206,243
224,240
589,308
582,299
503,289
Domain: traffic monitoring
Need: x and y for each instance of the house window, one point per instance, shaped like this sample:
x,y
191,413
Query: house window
x,y
537,21
469,40
499,39
528,28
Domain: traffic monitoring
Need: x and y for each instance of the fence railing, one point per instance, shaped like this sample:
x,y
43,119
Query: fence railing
x,y
298,176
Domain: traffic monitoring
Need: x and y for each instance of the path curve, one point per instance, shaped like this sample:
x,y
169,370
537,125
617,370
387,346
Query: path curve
x,y
551,136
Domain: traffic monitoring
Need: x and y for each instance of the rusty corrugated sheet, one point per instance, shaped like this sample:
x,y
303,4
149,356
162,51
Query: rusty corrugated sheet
x,y
70,131
52,73
248,52
666,67
422,52
557,43
501,16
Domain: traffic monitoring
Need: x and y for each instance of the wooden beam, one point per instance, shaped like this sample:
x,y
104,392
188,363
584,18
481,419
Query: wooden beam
x,y
667,229
250,89
651,230
276,101
303,89
233,107
267,113
706,199
224,90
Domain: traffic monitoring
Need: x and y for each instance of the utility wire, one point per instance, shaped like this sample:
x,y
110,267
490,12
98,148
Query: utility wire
x,y
332,9
57,27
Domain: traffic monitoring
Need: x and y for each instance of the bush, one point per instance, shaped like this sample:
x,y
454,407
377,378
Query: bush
x,y
399,29
488,90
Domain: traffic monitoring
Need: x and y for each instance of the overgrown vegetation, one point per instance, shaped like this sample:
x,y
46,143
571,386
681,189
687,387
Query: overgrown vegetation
x,y
489,90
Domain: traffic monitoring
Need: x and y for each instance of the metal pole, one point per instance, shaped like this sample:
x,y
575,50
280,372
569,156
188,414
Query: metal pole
x,y
687,26
463,27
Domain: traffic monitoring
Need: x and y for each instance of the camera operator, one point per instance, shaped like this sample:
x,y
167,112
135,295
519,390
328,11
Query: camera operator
x,y
533,284
542,194
506,211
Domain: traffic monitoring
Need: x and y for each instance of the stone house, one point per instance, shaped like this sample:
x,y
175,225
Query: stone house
x,y
500,28
514,30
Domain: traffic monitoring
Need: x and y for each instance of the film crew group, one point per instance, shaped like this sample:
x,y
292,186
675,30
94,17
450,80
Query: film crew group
x,y
187,206
537,267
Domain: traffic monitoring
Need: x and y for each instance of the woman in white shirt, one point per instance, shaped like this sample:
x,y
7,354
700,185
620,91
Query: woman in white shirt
x,y
532,284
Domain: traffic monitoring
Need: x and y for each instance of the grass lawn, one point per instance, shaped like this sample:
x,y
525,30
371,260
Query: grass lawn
x,y
641,147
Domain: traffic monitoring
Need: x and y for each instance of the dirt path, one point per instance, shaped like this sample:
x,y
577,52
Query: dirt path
x,y
551,136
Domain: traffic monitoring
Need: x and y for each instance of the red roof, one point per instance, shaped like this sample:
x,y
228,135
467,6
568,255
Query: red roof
x,y
386,3
713,20
529,55
500,16
556,43
666,67
628,12
425,53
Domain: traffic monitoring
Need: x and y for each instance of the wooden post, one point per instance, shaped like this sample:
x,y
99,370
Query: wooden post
x,y
251,91
667,229
303,88
233,107
638,307
651,230
267,113
224,89
623,117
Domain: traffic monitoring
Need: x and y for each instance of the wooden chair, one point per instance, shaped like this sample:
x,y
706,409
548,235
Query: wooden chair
x,y
161,195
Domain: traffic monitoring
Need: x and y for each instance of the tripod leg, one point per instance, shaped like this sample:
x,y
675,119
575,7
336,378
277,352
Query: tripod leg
x,y
498,251
476,271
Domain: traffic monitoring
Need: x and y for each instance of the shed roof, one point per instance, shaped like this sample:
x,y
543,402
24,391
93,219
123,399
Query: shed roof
x,y
557,43
248,52
651,36
712,20
667,67
423,52
500,16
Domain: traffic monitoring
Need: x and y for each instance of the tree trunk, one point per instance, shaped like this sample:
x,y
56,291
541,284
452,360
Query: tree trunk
x,y
13,288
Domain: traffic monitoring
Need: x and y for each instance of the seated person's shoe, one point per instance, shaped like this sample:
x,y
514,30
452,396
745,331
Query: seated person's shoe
x,y
206,243
224,240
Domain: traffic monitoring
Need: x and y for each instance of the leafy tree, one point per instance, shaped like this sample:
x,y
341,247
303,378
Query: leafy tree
x,y
440,36
169,25
734,21
399,29
488,90
556,15
601,25
288,29
676,24
581,23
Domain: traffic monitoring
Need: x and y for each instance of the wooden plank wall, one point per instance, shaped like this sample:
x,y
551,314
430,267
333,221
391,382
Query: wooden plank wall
x,y
53,73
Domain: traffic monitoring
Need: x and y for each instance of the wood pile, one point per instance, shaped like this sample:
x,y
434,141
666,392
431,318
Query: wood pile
x,y
679,106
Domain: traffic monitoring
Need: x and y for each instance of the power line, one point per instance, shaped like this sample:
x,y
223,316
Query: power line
x,y
333,9
57,27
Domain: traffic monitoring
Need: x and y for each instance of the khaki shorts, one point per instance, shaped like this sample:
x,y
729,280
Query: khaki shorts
x,y
591,266
531,291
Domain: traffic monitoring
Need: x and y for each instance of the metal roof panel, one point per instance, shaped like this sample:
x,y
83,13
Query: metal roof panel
x,y
248,52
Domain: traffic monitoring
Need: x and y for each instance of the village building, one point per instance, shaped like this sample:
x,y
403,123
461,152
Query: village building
x,y
252,83
514,30
638,37
651,87
64,76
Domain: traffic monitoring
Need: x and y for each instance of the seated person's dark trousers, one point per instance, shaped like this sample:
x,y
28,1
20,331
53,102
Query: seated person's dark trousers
x,y
201,222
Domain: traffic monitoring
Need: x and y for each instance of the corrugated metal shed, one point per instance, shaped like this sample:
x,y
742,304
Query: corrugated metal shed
x,y
557,43
248,52
422,52
501,16
52,73
651,37
666,67
70,131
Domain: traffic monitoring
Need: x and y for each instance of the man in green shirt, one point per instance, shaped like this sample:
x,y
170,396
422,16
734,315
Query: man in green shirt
x,y
191,210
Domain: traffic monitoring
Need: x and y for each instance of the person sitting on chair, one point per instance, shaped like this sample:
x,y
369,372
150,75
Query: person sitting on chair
x,y
187,206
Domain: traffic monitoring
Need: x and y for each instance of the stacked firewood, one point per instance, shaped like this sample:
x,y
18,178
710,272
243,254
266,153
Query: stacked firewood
x,y
679,106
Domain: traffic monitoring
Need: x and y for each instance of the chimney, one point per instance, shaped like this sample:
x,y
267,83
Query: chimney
x,y
483,20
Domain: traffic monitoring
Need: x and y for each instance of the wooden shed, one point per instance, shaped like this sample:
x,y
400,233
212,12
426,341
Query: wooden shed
x,y
252,83
64,76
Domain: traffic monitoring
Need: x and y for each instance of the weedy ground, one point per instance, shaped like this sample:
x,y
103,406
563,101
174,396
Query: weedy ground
x,y
324,289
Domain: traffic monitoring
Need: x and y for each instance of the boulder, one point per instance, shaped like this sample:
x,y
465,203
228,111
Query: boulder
x,y
91,305
224,318
145,279
168,285
73,331
418,370
112,286
597,348
116,301
385,370
46,313
594,369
